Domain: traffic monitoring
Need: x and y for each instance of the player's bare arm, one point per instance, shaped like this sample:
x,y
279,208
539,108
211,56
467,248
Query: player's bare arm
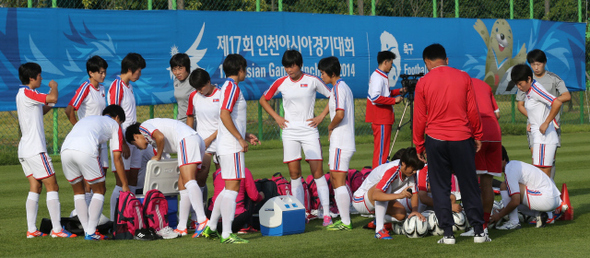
x,y
555,107
252,139
381,196
521,108
118,160
190,121
415,203
225,117
71,114
564,97
477,145
52,96
335,121
209,139
160,141
314,122
279,119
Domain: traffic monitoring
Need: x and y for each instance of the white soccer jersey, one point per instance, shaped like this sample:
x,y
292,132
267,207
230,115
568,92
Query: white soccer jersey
x,y
92,131
387,176
518,172
378,86
173,130
29,106
88,100
122,94
341,98
538,105
206,111
298,101
233,101
552,83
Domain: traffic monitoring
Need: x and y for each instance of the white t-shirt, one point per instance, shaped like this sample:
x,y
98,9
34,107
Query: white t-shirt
x,y
122,94
298,102
88,100
552,83
387,176
29,106
92,131
341,99
518,172
206,111
173,130
538,105
233,101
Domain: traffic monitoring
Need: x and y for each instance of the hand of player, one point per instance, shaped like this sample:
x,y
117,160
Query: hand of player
x,y
528,127
403,90
405,193
156,157
52,84
244,145
422,156
282,122
456,207
543,127
126,152
330,134
314,122
495,217
208,141
477,145
262,195
252,139
126,189
398,99
418,214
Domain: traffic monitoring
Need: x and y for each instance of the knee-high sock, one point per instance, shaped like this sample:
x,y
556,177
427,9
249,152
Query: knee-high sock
x,y
324,194
205,193
228,211
380,210
88,197
94,212
196,197
389,218
81,209
342,196
505,200
54,208
32,207
216,213
114,197
183,209
297,190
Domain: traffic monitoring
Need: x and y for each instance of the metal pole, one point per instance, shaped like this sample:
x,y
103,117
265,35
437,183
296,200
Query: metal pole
x,y
350,7
456,8
280,5
531,9
54,4
30,3
373,7
55,132
434,8
512,97
175,110
260,131
511,9
581,92
174,4
258,5
149,4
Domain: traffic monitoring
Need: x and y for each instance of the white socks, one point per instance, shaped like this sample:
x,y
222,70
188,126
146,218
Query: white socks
x,y
114,198
196,198
342,196
297,190
54,208
88,197
324,194
505,200
94,212
216,213
228,211
82,209
380,210
32,207
183,209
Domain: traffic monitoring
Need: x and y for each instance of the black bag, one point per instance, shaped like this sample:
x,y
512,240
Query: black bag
x,y
73,225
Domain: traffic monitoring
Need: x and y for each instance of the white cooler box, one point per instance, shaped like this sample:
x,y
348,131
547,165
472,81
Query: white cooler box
x,y
163,175
282,215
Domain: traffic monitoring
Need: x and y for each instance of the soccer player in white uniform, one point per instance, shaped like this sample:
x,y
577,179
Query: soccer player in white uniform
x,y
32,151
300,126
380,191
121,93
423,187
172,136
542,108
90,100
81,162
341,131
530,190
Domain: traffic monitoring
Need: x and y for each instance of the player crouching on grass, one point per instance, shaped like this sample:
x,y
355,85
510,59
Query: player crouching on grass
x,y
530,190
81,162
377,195
173,136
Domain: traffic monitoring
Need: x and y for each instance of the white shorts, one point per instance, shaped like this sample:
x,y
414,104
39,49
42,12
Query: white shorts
x,y
292,149
539,200
407,203
339,160
191,150
544,154
212,148
361,203
529,138
38,166
232,166
134,160
104,156
78,165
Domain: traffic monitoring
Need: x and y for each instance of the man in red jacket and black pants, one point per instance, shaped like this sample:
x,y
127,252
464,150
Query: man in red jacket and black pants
x,y
446,111
380,107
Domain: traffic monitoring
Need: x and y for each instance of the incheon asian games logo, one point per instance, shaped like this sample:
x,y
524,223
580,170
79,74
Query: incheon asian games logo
x,y
193,52
388,42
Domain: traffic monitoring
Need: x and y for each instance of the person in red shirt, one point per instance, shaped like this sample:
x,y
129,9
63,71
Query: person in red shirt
x,y
446,111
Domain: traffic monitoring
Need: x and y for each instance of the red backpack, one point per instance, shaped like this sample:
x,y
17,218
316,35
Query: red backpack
x,y
283,185
128,217
155,210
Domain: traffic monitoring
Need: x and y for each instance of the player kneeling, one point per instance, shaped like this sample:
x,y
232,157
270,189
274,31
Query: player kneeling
x,y
376,192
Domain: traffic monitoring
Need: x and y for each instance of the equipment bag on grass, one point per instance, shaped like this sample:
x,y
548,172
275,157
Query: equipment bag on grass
x,y
283,185
155,210
128,216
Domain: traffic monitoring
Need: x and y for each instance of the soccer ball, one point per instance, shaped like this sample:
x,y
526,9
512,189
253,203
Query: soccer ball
x,y
398,228
495,208
460,221
415,228
435,230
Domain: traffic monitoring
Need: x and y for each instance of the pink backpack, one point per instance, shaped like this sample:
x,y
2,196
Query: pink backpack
x,y
354,180
283,185
155,210
365,172
128,217
306,196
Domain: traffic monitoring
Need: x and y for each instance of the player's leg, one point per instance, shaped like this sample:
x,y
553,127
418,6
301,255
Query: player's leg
x,y
95,207
232,172
396,212
339,160
313,155
380,210
381,138
53,204
118,185
512,222
543,157
93,173
292,157
190,156
32,206
73,174
184,208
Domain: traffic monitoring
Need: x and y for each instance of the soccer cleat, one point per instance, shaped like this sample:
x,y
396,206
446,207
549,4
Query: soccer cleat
x,y
509,225
370,225
447,240
209,233
200,227
63,233
167,233
541,220
560,211
95,236
471,232
234,239
181,232
327,221
193,225
35,234
481,238
339,225
383,234
143,234
247,230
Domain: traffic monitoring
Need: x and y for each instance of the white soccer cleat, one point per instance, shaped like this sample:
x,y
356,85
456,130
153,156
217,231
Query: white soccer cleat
x,y
481,238
167,233
447,240
471,232
509,225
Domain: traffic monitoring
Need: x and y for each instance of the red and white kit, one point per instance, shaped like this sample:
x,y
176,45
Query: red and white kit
x,y
229,150
206,112
541,193
122,94
538,105
342,145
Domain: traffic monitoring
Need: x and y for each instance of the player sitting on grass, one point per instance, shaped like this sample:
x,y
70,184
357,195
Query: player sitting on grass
x,y
81,162
426,201
32,151
173,136
376,194
528,189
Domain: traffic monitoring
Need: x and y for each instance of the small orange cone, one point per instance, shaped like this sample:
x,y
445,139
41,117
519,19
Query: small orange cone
x,y
565,197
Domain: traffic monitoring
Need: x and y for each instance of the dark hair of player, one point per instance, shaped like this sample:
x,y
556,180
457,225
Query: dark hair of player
x,y
434,52
131,131
384,56
182,60
233,64
410,158
292,57
114,111
28,71
398,154
94,64
536,55
505,154
330,65
132,62
199,78
521,72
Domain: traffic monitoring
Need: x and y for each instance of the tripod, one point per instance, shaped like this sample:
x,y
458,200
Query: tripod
x,y
410,103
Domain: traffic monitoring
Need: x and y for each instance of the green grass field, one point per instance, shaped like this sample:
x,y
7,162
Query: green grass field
x,y
565,238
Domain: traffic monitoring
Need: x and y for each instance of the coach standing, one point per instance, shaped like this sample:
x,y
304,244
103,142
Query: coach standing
x,y
446,110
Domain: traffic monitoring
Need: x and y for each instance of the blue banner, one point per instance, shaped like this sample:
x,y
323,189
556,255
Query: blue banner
x,y
61,40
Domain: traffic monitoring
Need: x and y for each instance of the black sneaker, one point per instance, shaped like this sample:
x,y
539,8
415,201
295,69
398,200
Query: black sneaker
x,y
447,240
143,234
542,219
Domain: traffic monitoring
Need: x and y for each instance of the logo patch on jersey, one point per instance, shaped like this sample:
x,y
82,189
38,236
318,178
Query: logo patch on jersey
x,y
534,192
303,85
215,100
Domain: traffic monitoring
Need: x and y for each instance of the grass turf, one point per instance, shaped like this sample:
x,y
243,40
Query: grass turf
x,y
565,238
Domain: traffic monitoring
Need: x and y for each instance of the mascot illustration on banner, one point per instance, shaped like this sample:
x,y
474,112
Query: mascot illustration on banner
x,y
389,43
499,57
